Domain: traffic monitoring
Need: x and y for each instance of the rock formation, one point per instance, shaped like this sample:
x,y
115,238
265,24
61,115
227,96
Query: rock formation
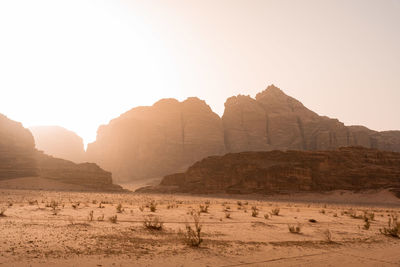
x,y
59,142
350,168
153,141
17,150
167,137
20,159
276,121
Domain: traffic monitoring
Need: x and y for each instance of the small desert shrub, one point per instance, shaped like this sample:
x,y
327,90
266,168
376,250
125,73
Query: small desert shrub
x,y
227,214
153,206
266,216
94,201
254,211
393,228
367,224
275,211
322,211
113,219
33,202
100,218
335,214
141,208
54,207
327,235
239,203
75,205
119,208
2,211
193,234
101,205
153,223
203,208
294,229
369,216
90,217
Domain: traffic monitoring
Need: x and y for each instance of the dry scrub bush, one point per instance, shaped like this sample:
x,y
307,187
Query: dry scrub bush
x,y
266,216
90,217
294,229
254,211
193,234
113,219
275,211
327,235
119,208
153,206
227,214
54,207
152,222
100,218
393,228
204,208
2,211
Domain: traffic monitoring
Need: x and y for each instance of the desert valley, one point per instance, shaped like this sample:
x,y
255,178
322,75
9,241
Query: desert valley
x,y
199,133
198,190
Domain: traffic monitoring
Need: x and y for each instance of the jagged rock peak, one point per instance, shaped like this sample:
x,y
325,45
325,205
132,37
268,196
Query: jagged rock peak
x,y
271,91
234,100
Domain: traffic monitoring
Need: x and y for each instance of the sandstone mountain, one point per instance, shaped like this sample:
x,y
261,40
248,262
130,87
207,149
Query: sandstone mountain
x,y
59,142
350,168
20,160
274,120
157,140
169,136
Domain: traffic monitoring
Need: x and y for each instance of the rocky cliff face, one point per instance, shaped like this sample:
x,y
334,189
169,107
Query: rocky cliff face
x,y
350,168
274,120
19,158
153,141
59,142
17,150
167,137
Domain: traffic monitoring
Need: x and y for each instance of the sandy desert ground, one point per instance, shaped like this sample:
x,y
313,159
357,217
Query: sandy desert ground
x,y
47,228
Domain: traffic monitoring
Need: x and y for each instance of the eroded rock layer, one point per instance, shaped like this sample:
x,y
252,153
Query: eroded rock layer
x,y
19,159
157,140
169,136
351,168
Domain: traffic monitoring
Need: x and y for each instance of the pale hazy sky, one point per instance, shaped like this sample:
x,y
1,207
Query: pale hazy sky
x,y
80,63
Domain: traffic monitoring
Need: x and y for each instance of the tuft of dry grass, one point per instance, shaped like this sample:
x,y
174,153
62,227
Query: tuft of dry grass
x,y
294,229
90,217
152,222
119,208
2,211
275,211
254,211
204,208
393,228
327,235
113,219
227,214
193,233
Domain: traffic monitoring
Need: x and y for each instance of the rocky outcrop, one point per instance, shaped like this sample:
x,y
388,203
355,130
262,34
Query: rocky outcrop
x,y
17,150
20,159
148,142
87,175
153,141
59,142
351,168
274,120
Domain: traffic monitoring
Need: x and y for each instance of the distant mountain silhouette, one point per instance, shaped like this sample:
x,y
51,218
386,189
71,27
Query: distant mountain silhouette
x,y
59,142
169,136
20,160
